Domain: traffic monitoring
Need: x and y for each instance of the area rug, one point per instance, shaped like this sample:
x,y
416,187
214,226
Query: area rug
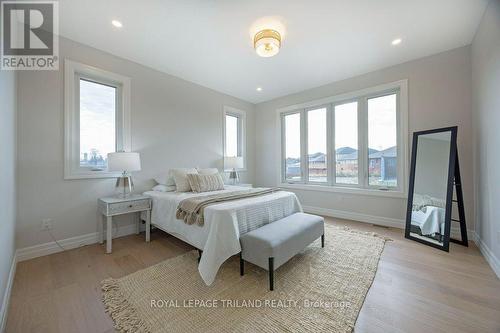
x,y
319,290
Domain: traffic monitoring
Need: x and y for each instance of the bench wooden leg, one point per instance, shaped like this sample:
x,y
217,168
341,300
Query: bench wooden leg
x,y
242,265
271,273
200,252
323,240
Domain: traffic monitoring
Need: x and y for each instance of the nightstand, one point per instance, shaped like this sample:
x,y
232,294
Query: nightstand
x,y
112,206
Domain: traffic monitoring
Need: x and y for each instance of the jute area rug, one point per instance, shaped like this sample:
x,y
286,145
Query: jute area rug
x,y
319,290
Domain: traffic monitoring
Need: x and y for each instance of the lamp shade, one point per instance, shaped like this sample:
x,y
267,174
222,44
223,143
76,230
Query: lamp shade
x,y
123,161
234,162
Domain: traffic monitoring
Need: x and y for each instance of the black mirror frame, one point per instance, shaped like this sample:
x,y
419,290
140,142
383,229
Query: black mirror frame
x,y
449,192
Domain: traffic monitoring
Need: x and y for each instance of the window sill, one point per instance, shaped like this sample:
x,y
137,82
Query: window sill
x,y
95,175
348,190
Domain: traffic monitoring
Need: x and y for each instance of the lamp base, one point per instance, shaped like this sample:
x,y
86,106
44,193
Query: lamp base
x,y
235,178
124,186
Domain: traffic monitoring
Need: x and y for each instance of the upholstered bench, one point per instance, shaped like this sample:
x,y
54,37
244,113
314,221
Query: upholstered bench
x,y
273,244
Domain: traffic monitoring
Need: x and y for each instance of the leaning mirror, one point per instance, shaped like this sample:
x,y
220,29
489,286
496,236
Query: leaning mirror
x,y
431,188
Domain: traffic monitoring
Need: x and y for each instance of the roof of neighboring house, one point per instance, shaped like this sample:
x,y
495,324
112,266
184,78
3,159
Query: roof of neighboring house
x,y
317,157
389,152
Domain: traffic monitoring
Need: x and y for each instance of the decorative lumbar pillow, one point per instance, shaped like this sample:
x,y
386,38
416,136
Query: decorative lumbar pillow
x,y
205,183
181,180
164,188
165,178
208,171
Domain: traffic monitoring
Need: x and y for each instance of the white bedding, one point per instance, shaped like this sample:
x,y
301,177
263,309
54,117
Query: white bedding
x,y
224,222
430,220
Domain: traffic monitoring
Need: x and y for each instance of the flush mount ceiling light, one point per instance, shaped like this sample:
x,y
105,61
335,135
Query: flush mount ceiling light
x,y
267,43
117,23
259,89
397,41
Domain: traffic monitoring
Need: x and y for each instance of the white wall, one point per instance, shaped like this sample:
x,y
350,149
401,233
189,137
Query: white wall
x,y
439,96
486,120
175,123
7,178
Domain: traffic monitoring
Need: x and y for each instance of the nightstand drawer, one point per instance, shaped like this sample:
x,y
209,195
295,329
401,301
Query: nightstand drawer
x,y
130,206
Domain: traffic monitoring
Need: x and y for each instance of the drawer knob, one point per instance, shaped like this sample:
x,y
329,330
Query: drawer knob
x,y
130,206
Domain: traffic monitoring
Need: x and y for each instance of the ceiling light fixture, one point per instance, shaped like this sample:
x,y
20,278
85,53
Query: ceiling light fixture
x,y
117,23
397,41
259,89
267,43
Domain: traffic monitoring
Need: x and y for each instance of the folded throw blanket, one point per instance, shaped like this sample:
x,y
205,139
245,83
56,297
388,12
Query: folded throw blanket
x,y
191,210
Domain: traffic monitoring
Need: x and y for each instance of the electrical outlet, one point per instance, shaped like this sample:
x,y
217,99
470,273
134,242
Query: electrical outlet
x,y
46,224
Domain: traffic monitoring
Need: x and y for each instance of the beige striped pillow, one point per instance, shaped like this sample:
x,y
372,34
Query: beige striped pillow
x,y
205,183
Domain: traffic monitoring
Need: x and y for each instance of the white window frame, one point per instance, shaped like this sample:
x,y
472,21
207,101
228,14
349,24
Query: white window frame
x,y
363,188
241,115
73,71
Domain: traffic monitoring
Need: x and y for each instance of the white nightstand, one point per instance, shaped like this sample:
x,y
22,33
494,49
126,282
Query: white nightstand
x,y
113,206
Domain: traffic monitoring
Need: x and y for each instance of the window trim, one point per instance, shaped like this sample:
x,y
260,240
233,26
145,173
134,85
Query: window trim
x,y
74,71
363,95
241,115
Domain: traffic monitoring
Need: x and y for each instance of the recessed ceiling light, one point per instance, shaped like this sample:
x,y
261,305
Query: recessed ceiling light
x,y
397,41
117,23
259,89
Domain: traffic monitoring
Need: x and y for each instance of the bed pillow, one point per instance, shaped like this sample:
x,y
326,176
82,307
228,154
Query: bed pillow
x,y
181,180
164,188
165,178
205,183
208,171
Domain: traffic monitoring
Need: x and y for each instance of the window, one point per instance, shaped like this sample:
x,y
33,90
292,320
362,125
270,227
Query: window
x,y
356,140
292,147
382,141
97,124
316,145
97,119
346,143
234,133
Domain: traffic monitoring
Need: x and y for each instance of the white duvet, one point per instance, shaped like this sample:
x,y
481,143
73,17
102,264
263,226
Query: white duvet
x,y
430,220
223,225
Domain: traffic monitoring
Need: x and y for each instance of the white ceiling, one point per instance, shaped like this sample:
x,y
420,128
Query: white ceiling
x,y
209,41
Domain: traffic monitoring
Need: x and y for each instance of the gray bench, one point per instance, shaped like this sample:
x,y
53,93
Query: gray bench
x,y
272,245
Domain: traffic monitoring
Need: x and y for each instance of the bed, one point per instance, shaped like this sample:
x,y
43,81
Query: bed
x,y
224,222
428,215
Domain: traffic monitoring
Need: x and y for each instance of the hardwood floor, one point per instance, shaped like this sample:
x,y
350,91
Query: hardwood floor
x,y
416,289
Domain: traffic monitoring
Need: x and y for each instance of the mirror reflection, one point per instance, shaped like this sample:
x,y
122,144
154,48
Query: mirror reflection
x,y
430,187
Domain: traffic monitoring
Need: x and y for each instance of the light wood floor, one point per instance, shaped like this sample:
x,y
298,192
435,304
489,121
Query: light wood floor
x,y
416,289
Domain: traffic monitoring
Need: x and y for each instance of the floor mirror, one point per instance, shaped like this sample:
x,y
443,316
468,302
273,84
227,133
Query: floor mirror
x,y
435,197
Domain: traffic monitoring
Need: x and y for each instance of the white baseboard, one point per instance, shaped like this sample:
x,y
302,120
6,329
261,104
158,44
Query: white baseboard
x,y
378,220
6,296
342,214
489,256
69,243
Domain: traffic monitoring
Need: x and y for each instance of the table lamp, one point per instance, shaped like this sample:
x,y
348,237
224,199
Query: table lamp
x,y
124,162
233,162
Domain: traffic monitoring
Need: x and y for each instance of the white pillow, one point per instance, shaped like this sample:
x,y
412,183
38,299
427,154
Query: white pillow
x,y
208,171
165,178
164,188
181,180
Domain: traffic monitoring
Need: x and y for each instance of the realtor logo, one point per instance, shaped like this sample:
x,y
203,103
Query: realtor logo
x,y
29,31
